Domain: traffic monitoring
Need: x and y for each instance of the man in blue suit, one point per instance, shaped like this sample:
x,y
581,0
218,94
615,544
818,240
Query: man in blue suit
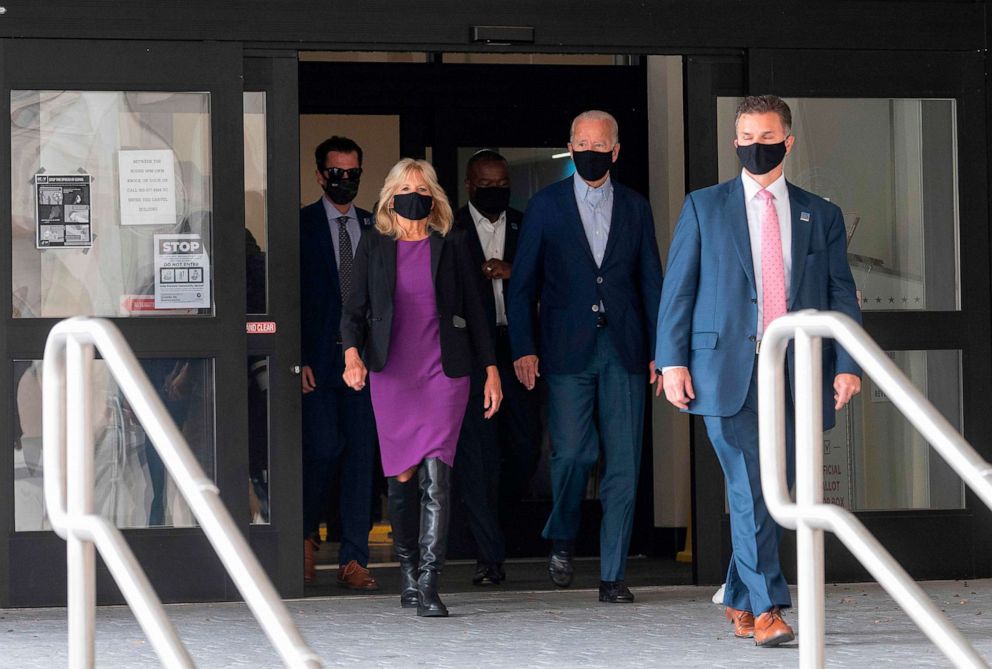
x,y
745,252
338,427
587,254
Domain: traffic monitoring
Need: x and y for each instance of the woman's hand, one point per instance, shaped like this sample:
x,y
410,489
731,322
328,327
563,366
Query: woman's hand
x,y
354,369
493,392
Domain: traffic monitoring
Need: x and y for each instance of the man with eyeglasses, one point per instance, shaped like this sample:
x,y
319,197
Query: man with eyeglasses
x,y
338,427
587,253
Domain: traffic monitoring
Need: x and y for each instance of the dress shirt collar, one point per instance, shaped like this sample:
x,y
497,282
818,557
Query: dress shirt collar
x,y
333,214
582,189
778,188
481,219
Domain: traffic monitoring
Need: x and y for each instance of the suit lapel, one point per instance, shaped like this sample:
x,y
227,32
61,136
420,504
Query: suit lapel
x,y
322,236
571,209
389,262
437,244
735,215
469,225
801,232
512,233
617,216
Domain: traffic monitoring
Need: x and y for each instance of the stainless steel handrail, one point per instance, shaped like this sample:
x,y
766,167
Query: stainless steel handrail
x,y
69,495
808,515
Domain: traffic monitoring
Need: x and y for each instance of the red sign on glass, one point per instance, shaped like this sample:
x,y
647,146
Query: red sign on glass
x,y
261,327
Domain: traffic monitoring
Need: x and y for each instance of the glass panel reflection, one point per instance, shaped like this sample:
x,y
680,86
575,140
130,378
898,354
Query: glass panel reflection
x,y
874,460
256,201
133,488
891,165
147,158
258,438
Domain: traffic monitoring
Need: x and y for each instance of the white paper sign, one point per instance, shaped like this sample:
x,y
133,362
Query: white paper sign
x,y
148,187
182,272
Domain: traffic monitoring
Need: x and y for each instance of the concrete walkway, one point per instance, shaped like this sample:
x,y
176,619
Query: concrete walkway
x,y
675,626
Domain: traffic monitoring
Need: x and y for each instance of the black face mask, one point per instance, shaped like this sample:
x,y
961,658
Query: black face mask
x,y
491,200
413,206
761,158
592,165
341,192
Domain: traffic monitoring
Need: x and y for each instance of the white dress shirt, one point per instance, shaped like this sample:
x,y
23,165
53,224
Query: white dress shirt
x,y
754,208
492,236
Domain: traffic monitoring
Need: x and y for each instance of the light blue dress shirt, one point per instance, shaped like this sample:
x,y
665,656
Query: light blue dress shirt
x,y
354,228
596,212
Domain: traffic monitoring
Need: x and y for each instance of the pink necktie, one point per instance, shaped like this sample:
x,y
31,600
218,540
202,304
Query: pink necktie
x,y
772,265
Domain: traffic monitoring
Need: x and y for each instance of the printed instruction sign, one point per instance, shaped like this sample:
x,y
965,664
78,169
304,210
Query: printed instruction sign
x,y
182,272
62,211
148,187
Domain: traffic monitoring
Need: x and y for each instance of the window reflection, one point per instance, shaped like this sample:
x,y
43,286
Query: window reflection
x,y
95,133
256,201
875,460
132,487
258,438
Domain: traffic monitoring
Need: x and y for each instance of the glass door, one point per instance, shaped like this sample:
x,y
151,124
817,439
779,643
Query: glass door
x,y
124,201
272,319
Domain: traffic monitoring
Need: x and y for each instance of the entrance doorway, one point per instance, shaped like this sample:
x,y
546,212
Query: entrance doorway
x,y
445,107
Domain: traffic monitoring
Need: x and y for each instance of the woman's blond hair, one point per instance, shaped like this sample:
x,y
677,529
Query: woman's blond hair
x,y
440,217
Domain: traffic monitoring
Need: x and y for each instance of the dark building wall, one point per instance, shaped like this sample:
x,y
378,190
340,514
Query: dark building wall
x,y
634,26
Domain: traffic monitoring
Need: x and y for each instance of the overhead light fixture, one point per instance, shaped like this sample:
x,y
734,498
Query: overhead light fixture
x,y
556,156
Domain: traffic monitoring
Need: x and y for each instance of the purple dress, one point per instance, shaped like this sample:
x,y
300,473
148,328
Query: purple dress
x,y
418,410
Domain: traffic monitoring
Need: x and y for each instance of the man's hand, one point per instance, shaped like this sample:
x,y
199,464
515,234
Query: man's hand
x,y
846,386
494,268
493,392
678,387
307,380
655,377
526,369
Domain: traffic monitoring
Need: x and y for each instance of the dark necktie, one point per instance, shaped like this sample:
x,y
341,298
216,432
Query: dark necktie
x,y
346,258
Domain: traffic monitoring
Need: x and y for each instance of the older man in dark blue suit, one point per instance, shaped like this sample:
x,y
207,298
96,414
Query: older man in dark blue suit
x,y
338,426
587,253
745,252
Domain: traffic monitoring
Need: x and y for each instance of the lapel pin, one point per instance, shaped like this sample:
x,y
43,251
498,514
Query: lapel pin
x,y
804,216
513,226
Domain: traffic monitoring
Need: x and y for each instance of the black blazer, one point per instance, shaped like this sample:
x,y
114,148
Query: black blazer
x,y
514,219
320,294
367,319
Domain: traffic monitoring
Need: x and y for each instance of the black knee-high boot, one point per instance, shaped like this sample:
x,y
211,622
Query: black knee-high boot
x,y
435,510
404,515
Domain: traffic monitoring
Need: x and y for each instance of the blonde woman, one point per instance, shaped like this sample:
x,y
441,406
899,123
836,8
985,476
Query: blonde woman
x,y
417,322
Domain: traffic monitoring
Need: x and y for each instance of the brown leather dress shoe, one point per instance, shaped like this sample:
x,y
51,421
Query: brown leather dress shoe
x,y
309,564
743,622
771,630
356,577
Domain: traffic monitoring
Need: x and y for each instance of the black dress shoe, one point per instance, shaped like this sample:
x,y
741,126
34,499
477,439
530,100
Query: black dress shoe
x,y
615,592
560,568
488,574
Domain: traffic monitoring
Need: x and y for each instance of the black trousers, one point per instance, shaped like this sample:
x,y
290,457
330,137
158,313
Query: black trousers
x,y
497,457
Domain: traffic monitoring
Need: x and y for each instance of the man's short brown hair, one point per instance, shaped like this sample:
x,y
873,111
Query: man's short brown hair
x,y
762,104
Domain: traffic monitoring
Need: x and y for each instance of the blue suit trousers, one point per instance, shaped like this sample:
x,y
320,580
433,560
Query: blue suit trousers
x,y
600,409
339,442
754,578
